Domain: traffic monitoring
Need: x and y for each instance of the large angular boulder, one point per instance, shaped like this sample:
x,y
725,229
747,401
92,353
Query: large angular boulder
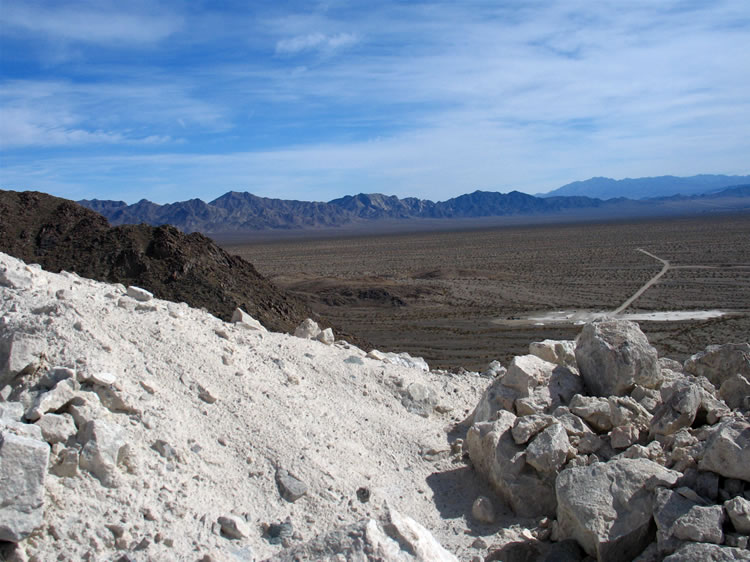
x,y
549,449
669,506
735,391
678,409
719,362
23,467
738,509
613,356
608,507
728,450
496,456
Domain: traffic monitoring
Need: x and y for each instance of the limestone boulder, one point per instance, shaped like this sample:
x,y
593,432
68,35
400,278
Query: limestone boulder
x,y
56,398
559,352
678,409
419,399
669,506
104,448
496,456
727,450
613,356
597,412
308,329
608,507
701,524
326,336
527,427
23,467
20,353
549,450
735,392
719,362
57,428
738,509
703,552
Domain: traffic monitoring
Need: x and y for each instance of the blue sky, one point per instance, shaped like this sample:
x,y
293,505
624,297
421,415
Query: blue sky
x,y
304,100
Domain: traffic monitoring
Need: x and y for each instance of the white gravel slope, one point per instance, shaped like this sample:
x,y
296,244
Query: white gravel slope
x,y
327,414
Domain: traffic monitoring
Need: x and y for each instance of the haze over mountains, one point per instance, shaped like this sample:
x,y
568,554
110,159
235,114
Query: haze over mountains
x,y
244,212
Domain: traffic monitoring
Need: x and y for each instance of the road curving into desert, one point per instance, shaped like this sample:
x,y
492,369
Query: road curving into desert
x,y
647,285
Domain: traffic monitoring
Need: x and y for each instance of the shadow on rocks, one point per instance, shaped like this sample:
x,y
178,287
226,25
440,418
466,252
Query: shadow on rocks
x,y
454,492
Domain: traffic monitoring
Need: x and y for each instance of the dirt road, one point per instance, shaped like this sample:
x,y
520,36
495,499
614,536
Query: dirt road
x,y
647,285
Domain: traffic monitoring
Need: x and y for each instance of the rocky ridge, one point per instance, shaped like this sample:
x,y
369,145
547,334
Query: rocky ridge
x,y
62,235
134,428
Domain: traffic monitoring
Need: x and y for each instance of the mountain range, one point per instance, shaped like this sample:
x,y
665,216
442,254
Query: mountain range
x,y
646,188
244,212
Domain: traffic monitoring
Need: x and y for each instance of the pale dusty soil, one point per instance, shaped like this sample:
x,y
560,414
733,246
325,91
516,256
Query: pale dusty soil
x,y
336,424
439,294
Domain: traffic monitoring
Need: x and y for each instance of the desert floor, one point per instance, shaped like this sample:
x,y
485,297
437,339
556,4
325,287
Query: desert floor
x,y
464,298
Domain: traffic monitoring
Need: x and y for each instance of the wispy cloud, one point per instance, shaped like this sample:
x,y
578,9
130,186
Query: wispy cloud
x,y
90,22
315,41
429,99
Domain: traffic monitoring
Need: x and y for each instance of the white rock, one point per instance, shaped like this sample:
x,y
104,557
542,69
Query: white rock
x,y
728,450
497,457
57,428
623,436
103,379
21,429
396,539
243,319
326,336
560,352
23,467
104,447
19,354
719,362
141,295
703,552
613,356
308,329
59,396
234,527
596,411
735,391
548,451
11,411
607,507
15,277
738,510
701,524
527,427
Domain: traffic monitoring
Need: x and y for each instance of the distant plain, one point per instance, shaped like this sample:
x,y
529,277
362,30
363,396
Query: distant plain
x,y
462,297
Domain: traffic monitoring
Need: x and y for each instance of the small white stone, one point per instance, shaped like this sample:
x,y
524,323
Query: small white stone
x,y
139,294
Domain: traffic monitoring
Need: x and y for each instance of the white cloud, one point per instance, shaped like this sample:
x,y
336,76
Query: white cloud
x,y
315,41
90,22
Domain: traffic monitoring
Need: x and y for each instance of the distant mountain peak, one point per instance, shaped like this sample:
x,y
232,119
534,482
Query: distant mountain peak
x,y
649,187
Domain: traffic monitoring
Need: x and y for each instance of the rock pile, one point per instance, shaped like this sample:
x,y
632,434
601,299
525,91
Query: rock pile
x,y
133,428
631,454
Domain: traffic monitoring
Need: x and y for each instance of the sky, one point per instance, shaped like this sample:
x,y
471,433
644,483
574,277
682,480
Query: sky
x,y
314,100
